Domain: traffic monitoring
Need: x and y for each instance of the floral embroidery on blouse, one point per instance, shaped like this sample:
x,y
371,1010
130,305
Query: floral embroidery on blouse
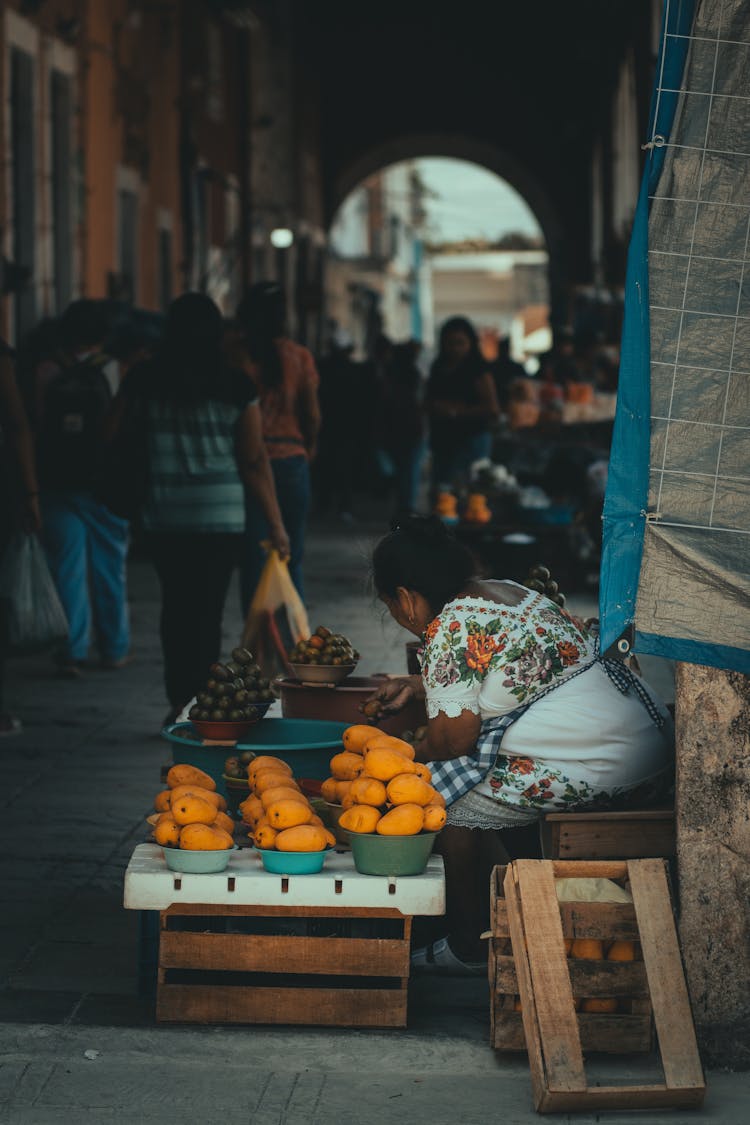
x,y
530,649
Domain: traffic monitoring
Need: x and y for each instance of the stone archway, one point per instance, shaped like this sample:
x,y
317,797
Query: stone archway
x,y
488,156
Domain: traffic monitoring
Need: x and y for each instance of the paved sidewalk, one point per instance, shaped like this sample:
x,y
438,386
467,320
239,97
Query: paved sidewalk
x,y
77,785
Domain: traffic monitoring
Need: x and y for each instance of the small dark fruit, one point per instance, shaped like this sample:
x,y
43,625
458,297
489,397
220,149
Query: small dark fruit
x,y
253,670
236,715
234,670
218,716
241,697
195,712
246,757
242,656
535,584
551,588
219,672
324,632
540,571
205,699
211,685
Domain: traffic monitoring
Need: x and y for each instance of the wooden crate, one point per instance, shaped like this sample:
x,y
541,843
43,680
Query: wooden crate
x,y
623,1032
547,982
636,834
320,966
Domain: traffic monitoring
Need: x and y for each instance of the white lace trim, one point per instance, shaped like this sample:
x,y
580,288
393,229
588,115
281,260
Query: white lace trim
x,y
475,810
451,707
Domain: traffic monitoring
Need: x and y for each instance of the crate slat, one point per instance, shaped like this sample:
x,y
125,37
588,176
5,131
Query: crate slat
x,y
344,1007
543,980
619,1034
605,921
587,978
252,953
669,995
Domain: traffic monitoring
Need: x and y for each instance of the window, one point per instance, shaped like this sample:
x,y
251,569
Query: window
x,y
61,110
23,186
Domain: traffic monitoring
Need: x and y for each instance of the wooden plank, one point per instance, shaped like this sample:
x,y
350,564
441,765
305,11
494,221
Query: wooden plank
x,y
257,954
620,1097
529,1016
623,817
605,921
548,989
587,978
192,909
313,1007
661,954
589,869
600,1034
597,839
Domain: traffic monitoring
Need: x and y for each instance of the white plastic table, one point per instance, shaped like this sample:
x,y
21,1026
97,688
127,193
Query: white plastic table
x,y
150,885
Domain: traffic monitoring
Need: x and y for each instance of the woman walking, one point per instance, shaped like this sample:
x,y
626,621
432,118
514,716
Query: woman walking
x,y
461,402
205,447
286,381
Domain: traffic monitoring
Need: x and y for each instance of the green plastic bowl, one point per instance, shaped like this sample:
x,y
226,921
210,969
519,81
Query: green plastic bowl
x,y
391,855
292,863
197,863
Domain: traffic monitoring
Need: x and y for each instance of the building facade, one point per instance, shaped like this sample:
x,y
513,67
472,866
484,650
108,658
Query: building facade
x,y
148,149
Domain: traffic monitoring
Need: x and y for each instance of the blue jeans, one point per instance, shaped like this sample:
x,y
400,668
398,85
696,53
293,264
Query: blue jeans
x,y
87,549
448,462
292,477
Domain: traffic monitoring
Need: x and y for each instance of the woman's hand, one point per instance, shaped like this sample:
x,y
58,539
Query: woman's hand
x,y
396,693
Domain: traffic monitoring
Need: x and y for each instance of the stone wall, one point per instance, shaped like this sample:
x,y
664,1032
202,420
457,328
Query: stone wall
x,y
713,847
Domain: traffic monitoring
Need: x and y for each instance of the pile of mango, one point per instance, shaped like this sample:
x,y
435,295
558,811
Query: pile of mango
x,y
192,815
380,786
277,811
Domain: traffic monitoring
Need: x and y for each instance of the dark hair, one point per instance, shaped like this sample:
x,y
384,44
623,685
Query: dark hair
x,y
461,324
261,315
421,554
84,322
191,361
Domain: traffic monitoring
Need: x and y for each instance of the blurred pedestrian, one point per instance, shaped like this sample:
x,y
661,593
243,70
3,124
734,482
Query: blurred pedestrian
x,y
19,494
205,443
504,371
461,402
286,379
404,423
86,544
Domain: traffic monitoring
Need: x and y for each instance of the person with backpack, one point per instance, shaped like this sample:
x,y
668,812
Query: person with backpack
x,y
86,544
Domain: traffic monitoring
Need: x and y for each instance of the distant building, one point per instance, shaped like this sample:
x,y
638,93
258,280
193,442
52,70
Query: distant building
x,y
376,269
153,148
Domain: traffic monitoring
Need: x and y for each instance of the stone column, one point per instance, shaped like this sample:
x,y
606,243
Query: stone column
x,y
713,852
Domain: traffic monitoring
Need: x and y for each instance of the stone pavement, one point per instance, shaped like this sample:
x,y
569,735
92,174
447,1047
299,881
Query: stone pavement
x,y
76,787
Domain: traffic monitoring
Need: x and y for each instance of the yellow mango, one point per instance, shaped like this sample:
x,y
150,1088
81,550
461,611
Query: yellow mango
x,y
360,818
408,789
189,775
403,820
193,810
434,818
204,838
346,766
385,763
288,814
367,791
302,838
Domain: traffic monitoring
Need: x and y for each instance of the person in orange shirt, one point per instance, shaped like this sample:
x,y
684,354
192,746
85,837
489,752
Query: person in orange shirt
x,y
287,382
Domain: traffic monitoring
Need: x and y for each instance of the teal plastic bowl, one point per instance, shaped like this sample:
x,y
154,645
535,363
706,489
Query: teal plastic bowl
x,y
391,855
292,863
307,745
197,863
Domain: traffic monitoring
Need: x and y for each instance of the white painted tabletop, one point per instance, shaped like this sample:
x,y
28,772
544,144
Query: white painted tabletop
x,y
150,885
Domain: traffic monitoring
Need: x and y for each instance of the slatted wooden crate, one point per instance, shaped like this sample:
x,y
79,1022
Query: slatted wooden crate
x,y
346,967
635,834
547,983
624,1032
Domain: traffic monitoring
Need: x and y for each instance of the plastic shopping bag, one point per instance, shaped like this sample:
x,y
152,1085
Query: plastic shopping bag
x,y
277,618
36,618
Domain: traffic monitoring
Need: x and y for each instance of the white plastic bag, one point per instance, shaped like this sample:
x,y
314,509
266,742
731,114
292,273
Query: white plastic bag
x,y
36,618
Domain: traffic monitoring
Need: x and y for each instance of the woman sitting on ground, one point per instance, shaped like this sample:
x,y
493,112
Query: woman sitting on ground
x,y
523,717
